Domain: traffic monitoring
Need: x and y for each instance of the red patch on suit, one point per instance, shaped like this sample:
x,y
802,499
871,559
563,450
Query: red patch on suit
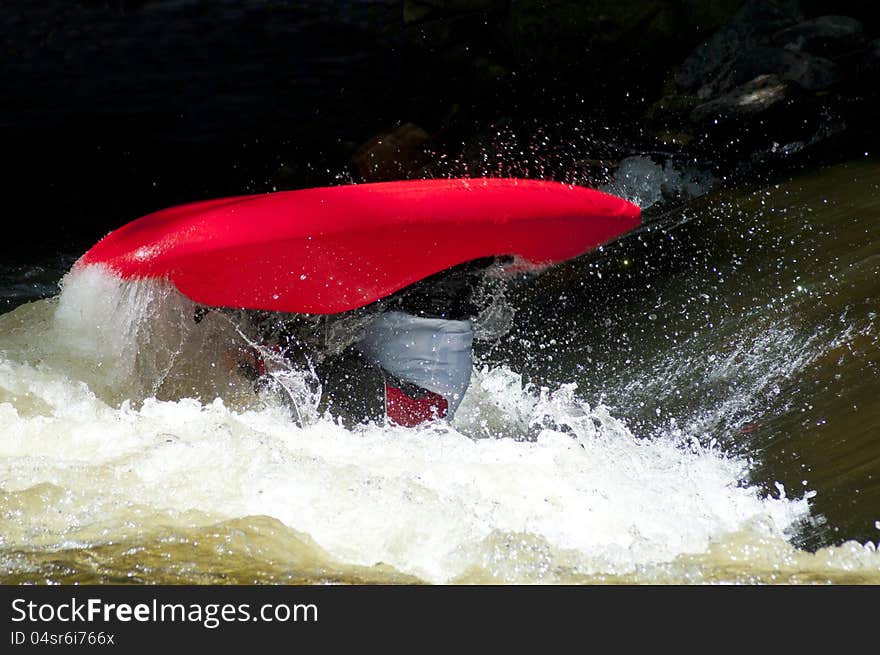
x,y
409,412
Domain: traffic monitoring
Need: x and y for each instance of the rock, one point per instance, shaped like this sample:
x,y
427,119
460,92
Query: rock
x,y
707,71
748,82
708,68
826,35
757,96
765,39
808,71
758,116
391,155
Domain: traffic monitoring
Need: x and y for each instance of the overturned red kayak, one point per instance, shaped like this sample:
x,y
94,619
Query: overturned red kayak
x,y
332,249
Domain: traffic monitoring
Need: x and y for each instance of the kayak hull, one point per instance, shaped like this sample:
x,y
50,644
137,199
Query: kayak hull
x,y
333,249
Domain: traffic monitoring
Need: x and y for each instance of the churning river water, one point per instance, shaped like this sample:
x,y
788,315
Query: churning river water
x,y
695,403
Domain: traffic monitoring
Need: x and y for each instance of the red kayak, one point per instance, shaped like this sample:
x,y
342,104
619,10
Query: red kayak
x,y
332,249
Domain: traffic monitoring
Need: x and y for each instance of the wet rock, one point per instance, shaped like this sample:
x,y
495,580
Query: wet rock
x,y
712,67
807,71
767,117
827,36
392,155
772,83
757,96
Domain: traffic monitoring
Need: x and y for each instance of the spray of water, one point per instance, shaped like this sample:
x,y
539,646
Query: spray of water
x,y
118,421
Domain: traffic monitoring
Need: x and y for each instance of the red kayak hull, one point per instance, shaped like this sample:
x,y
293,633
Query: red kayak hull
x,y
332,249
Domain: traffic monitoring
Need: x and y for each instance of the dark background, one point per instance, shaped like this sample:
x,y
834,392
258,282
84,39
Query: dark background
x,y
111,109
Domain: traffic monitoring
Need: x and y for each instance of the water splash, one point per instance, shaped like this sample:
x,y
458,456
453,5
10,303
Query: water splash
x,y
644,182
527,485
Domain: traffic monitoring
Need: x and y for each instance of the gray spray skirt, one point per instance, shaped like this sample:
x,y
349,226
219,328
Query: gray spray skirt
x,y
433,353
